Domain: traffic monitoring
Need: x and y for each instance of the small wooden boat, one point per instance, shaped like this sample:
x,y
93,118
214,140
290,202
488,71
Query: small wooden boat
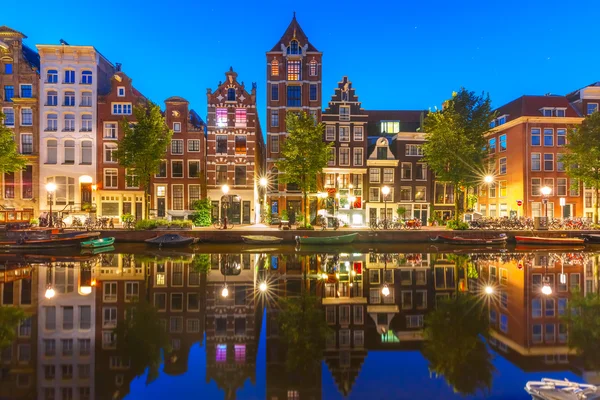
x,y
97,250
43,238
261,239
95,243
554,389
171,240
536,240
500,240
591,238
328,240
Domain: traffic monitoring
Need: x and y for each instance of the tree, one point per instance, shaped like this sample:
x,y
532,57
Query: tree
x,y
583,320
304,155
10,317
10,159
203,212
456,147
582,161
454,346
144,145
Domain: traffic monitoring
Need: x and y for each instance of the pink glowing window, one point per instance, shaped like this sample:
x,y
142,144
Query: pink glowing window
x,y
240,353
221,356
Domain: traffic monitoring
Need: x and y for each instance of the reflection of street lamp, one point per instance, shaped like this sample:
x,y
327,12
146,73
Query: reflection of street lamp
x,y
385,290
545,193
489,290
385,191
225,291
225,202
262,286
546,288
50,292
50,188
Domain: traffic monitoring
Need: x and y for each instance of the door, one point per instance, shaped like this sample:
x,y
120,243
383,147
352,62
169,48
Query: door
x,y
246,212
236,210
161,205
372,215
86,193
138,210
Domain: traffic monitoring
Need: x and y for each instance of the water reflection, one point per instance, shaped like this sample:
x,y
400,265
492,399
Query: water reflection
x,y
116,316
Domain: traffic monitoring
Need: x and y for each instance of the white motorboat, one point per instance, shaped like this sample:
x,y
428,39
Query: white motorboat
x,y
554,389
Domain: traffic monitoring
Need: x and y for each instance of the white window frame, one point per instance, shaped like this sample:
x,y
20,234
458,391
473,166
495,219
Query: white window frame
x,y
177,127
120,91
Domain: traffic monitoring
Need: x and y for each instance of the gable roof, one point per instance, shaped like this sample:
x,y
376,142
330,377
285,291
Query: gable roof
x,y
7,31
530,106
293,31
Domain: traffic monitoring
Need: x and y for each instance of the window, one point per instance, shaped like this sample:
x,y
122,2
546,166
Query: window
x,y
358,156
52,76
69,123
502,169
536,139
312,68
27,182
240,144
121,91
221,144
405,193
26,117
52,98
67,347
344,133
388,175
374,175
240,175
26,143
86,77
240,116
413,150
374,194
561,186
549,308
560,112
561,137
49,344
275,118
231,94
592,108
9,92
177,146
547,112
26,91
193,169
536,162
294,96
8,68
344,113
502,188
221,174
274,143
406,171
110,130
537,333
110,155
274,68
374,297
330,132
536,185
502,141
420,193
69,76
109,317
162,170
293,70
562,306
492,145
560,165
344,156
51,150
9,116
548,137
177,169
331,159
86,123
390,127
194,145
274,92
69,146
176,126
110,178
548,162
121,108
86,152
312,93
504,323
69,99
358,133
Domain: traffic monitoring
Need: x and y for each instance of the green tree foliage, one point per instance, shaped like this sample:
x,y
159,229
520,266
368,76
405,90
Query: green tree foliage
x,y
10,159
582,160
583,319
144,145
305,331
141,338
10,317
202,215
456,148
304,155
201,263
454,346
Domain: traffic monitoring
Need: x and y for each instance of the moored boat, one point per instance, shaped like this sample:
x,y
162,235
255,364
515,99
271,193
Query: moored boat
x,y
95,243
97,250
591,238
554,389
331,240
43,238
537,240
499,240
171,240
261,239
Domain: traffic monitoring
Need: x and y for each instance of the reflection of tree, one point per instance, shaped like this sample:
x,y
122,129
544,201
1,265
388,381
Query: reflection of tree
x,y
10,317
201,263
454,345
140,339
583,319
305,331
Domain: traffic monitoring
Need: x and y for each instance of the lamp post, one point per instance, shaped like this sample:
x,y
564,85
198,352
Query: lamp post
x,y
225,202
385,191
545,193
50,188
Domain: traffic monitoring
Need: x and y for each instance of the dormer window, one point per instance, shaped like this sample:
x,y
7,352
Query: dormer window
x,y
501,120
547,112
560,112
231,94
294,48
390,127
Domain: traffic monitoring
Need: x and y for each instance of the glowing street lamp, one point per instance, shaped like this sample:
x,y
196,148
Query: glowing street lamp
x,y
50,292
488,179
545,193
262,287
489,290
50,188
546,289
263,182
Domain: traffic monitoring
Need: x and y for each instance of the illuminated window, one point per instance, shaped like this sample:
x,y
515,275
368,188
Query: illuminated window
x,y
293,70
390,127
221,355
274,68
413,150
240,352
240,115
240,144
221,117
502,186
312,68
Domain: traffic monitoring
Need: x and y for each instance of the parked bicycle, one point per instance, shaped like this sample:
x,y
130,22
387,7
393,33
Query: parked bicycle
x,y
76,223
220,223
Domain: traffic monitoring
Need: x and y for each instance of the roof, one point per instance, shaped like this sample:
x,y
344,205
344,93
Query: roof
x,y
7,31
196,120
176,99
530,106
410,120
293,31
31,56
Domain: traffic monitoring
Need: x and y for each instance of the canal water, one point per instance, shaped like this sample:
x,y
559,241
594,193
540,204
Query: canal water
x,y
285,323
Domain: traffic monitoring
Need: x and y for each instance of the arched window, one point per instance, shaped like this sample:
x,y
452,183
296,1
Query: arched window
x,y
86,99
294,47
86,123
69,98
52,76
69,123
274,68
51,151
231,94
312,68
52,122
86,152
86,77
52,98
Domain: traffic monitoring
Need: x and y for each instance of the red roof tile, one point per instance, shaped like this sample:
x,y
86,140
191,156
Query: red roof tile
x,y
530,106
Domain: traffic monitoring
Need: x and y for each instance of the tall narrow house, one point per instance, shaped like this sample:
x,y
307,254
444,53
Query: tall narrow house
x,y
19,99
293,85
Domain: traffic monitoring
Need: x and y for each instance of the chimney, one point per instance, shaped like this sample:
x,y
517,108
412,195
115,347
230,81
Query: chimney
x,y
118,67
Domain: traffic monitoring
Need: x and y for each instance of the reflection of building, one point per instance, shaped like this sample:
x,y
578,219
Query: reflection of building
x,y
66,332
345,125
117,192
20,74
234,150
233,321
72,77
17,361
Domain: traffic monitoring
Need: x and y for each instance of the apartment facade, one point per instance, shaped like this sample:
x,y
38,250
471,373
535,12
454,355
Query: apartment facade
x,y
72,77
116,191
343,179
19,102
382,166
294,73
233,156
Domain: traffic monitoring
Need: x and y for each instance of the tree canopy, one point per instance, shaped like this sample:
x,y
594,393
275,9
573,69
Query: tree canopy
x,y
583,319
456,147
144,145
10,159
582,161
304,154
10,317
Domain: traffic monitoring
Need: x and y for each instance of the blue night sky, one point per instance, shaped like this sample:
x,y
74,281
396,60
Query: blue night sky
x,y
398,54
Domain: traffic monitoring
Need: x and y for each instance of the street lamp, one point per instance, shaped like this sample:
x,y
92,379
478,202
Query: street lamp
x,y
262,287
545,193
263,182
547,289
489,290
488,179
50,188
225,202
385,191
